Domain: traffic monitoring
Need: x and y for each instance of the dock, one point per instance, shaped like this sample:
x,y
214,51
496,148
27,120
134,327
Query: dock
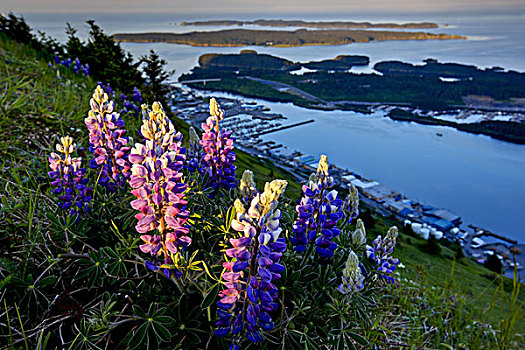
x,y
283,128
483,232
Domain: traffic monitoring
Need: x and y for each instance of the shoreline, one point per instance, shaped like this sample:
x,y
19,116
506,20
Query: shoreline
x,y
423,218
364,107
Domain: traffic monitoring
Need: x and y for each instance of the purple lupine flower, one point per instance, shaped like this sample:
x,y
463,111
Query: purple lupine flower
x,y
69,179
218,157
252,268
318,211
156,179
107,142
78,65
137,96
66,63
194,151
380,252
130,107
85,69
57,60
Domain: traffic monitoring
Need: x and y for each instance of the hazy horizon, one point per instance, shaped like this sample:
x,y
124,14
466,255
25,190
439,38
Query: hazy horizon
x,y
210,8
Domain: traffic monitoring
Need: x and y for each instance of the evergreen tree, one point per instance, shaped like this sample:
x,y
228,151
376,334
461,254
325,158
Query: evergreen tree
x,y
74,47
156,76
108,62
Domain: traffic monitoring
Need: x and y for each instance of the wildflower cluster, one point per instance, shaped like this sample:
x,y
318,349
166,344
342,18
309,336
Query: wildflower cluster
x,y
218,157
156,179
68,177
319,210
107,142
252,268
380,252
131,105
75,65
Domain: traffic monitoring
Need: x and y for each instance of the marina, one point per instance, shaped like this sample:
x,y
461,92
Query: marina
x,y
249,120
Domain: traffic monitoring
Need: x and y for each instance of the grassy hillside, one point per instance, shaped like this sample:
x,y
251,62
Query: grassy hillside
x,y
438,303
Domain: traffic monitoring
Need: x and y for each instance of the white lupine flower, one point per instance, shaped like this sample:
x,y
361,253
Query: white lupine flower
x,y
359,235
352,276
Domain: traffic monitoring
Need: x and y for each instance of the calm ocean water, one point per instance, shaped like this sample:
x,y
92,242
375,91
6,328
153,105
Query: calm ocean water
x,y
477,177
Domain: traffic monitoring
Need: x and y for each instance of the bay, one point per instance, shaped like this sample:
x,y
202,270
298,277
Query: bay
x,y
475,176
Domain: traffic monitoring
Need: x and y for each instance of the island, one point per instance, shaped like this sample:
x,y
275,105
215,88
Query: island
x,y
427,94
278,38
307,24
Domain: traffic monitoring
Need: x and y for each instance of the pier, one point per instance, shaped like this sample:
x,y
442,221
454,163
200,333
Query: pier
x,y
283,128
483,232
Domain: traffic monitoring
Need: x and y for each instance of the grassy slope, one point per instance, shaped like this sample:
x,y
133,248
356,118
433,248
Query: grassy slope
x,y
46,109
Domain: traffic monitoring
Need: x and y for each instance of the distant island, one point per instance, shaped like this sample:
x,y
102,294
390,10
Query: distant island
x,y
278,38
251,60
306,24
433,87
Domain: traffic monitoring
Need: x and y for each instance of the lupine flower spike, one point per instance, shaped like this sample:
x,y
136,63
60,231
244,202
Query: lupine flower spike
x,y
217,160
247,186
351,206
157,183
380,252
194,151
318,213
107,142
252,268
67,176
359,235
352,276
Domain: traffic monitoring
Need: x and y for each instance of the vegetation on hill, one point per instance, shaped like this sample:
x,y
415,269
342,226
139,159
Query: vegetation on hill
x,y
82,281
401,83
300,37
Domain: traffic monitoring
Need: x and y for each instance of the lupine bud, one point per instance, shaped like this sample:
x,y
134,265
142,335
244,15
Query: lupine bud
x,y
351,205
359,235
352,276
247,186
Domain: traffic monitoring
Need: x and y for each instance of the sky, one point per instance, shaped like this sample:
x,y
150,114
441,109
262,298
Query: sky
x,y
224,7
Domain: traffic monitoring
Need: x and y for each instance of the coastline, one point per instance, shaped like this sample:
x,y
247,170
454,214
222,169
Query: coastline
x,y
421,217
365,107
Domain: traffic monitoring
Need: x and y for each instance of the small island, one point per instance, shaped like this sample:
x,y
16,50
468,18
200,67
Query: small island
x,y
317,24
278,38
424,94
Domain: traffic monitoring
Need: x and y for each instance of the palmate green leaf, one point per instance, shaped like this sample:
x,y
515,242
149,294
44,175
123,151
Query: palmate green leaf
x,y
358,338
46,281
162,333
211,296
137,339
